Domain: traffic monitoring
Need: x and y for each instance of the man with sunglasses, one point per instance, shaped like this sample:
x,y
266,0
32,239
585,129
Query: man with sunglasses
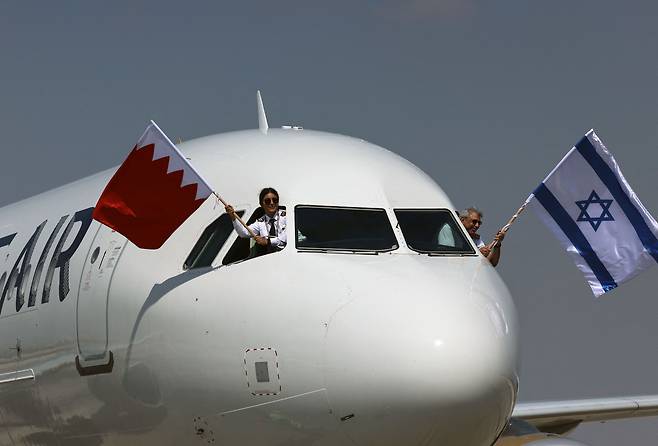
x,y
471,218
270,229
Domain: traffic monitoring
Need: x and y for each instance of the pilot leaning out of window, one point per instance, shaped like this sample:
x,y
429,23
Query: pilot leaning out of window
x,y
270,229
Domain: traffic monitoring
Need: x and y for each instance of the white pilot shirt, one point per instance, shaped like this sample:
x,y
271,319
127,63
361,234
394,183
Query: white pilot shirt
x,y
261,227
478,242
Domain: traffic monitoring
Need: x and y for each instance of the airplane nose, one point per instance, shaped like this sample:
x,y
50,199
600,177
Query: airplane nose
x,y
424,364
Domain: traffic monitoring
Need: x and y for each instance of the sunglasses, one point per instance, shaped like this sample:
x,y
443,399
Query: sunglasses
x,y
271,200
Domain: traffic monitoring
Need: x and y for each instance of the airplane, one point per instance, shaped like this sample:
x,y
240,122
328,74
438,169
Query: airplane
x,y
371,327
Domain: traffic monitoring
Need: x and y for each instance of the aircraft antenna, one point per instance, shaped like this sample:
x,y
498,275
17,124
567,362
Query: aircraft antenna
x,y
262,117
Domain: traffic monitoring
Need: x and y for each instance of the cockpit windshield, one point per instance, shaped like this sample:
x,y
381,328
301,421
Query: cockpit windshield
x,y
432,231
327,228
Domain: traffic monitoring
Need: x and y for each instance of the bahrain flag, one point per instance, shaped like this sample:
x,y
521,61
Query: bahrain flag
x,y
152,193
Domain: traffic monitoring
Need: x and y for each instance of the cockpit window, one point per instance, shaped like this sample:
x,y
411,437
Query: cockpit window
x,y
326,228
210,243
432,231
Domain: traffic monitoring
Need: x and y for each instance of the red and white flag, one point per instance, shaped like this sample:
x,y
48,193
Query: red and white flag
x,y
152,193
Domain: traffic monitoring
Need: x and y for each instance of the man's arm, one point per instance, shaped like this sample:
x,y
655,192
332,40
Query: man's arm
x,y
494,255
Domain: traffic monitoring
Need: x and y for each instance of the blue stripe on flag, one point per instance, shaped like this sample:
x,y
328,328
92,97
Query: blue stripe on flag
x,y
574,234
608,177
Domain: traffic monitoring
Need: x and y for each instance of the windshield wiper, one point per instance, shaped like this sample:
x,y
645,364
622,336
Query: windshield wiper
x,y
340,251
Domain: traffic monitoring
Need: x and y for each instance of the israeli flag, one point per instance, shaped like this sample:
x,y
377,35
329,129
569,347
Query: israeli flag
x,y
590,207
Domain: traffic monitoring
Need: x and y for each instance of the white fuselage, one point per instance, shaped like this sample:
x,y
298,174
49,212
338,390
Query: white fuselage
x,y
395,348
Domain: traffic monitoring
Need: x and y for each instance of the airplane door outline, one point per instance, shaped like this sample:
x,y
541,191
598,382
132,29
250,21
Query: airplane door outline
x,y
92,334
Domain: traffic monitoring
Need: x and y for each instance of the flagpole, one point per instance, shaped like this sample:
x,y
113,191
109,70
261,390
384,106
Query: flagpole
x,y
251,232
505,228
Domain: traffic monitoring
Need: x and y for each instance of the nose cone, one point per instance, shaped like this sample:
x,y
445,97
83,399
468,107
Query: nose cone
x,y
426,361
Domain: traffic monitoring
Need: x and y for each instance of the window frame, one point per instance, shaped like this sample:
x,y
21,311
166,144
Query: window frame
x,y
472,253
207,239
345,250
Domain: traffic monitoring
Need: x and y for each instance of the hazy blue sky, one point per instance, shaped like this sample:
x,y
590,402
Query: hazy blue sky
x,y
484,96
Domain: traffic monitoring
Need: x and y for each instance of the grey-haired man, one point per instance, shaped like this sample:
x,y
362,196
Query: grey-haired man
x,y
471,218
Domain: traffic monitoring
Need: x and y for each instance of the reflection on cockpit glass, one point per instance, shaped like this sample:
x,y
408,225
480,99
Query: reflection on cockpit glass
x,y
432,231
343,229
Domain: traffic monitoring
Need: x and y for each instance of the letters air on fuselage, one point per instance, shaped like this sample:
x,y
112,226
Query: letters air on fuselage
x,y
14,282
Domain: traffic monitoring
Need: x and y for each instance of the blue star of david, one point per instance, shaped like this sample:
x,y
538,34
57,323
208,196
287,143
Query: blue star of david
x,y
605,210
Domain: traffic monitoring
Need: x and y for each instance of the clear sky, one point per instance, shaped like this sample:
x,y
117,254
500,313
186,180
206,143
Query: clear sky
x,y
484,96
